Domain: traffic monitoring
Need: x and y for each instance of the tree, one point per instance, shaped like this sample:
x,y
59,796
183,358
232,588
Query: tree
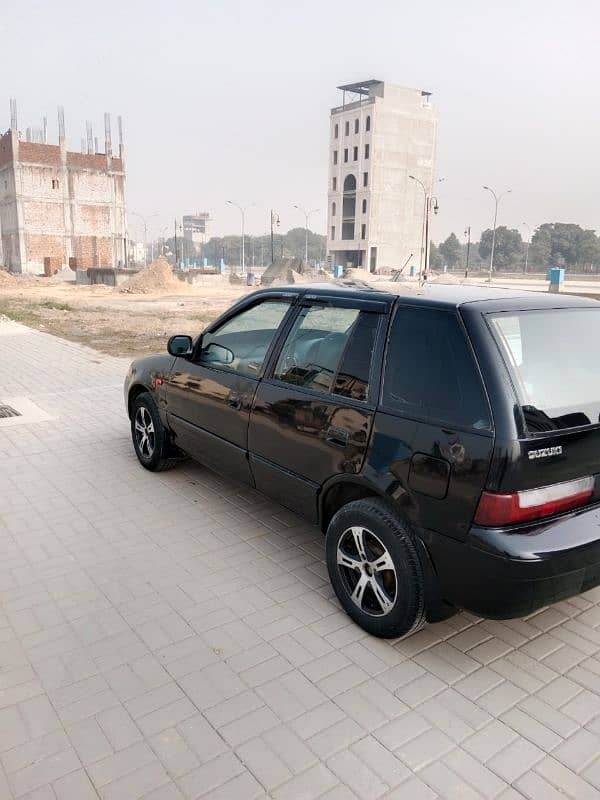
x,y
435,261
563,244
450,250
508,250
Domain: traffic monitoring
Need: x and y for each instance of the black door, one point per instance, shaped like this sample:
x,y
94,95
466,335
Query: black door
x,y
209,396
313,411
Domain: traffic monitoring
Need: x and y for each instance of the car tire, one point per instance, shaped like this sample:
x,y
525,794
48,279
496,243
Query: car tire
x,y
151,440
380,582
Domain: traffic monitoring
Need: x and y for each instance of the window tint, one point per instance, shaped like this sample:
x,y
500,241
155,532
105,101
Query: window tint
x,y
430,370
241,344
314,347
352,379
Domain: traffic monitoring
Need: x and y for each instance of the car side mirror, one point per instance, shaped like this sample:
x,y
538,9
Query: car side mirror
x,y
180,345
217,354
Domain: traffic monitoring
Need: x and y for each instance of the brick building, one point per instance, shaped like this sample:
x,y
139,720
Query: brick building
x,y
59,207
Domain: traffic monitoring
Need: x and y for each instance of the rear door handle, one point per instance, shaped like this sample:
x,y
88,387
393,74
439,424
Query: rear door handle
x,y
338,436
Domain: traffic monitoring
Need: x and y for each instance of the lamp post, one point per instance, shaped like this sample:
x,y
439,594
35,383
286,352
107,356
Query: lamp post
x,y
527,243
497,198
468,235
242,210
428,199
274,221
422,185
145,223
306,217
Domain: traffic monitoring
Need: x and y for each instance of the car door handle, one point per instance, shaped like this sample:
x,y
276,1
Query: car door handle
x,y
338,436
234,400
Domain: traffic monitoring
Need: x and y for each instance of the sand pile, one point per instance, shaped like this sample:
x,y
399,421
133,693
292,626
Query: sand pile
x,y
6,279
156,277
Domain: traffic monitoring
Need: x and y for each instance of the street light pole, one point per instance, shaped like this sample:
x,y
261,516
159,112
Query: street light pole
x,y
242,210
306,217
145,223
468,235
527,243
497,199
424,225
274,221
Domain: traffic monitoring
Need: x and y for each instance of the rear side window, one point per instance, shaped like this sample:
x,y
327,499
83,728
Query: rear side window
x,y
329,350
552,357
430,371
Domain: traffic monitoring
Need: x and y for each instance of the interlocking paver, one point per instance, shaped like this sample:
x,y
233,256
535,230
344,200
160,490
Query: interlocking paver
x,y
134,664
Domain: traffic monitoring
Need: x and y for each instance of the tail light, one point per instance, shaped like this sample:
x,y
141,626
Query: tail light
x,y
509,509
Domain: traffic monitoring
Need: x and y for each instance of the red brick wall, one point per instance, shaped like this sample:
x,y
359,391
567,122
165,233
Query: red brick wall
x,y
32,153
40,246
93,251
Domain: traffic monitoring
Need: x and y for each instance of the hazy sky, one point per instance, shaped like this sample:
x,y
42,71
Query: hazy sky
x,y
230,100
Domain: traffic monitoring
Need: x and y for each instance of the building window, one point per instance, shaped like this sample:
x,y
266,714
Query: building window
x,y
345,155
365,178
347,128
366,151
335,156
356,126
334,184
54,183
333,231
363,231
336,131
368,124
364,206
356,153
333,209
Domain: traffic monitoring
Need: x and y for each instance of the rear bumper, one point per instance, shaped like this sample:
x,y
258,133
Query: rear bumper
x,y
500,574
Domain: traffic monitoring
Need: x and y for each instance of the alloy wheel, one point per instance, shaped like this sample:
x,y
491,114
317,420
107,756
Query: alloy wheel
x,y
368,571
144,432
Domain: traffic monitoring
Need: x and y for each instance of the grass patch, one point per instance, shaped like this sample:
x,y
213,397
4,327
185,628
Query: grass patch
x,y
58,306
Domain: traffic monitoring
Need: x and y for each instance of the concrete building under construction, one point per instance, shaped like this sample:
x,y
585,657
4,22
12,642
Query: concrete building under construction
x,y
61,208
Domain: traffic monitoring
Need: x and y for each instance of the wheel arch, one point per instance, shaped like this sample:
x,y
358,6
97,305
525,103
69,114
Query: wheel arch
x,y
342,490
135,391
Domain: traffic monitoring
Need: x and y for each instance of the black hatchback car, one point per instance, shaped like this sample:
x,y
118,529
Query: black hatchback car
x,y
447,442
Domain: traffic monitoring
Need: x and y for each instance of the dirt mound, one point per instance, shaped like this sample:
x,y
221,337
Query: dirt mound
x,y
6,279
446,277
156,277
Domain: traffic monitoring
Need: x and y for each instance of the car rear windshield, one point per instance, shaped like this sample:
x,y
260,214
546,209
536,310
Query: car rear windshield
x,y
553,358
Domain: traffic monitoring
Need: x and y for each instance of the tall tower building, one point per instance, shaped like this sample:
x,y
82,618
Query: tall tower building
x,y
379,136
59,207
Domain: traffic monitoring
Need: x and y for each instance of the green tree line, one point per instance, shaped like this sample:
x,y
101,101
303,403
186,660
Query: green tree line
x,y
257,249
553,244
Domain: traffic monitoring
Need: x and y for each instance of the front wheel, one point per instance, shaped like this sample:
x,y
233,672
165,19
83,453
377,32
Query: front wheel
x,y
150,438
375,569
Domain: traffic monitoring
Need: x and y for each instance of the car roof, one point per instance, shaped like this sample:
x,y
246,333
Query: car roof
x,y
488,298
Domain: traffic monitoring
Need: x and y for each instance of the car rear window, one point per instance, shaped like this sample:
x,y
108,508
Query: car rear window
x,y
552,356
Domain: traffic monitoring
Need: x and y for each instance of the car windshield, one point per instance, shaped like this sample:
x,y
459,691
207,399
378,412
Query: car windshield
x,y
553,357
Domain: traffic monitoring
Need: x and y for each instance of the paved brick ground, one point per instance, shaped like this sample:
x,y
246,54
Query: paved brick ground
x,y
174,636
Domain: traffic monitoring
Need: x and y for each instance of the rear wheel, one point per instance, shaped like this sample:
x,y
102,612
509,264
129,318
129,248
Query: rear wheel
x,y
374,568
150,438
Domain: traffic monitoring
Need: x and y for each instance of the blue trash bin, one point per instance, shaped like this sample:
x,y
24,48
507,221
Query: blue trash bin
x,y
556,276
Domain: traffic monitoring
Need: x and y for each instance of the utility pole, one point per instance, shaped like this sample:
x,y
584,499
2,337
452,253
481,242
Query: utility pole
x,y
497,199
468,235
430,203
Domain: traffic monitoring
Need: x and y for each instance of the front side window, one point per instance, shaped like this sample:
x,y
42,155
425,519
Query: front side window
x,y
551,356
241,343
430,371
315,346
